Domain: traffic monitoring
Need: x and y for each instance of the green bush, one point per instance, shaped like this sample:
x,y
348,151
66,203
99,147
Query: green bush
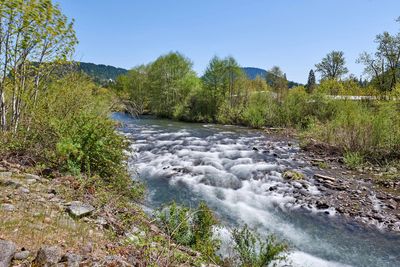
x,y
193,228
370,129
353,159
69,130
252,251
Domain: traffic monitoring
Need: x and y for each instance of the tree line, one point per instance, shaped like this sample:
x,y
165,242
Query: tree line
x,y
168,87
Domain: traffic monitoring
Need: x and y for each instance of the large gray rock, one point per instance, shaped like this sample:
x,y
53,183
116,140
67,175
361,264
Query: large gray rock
x,y
7,251
48,256
71,259
78,209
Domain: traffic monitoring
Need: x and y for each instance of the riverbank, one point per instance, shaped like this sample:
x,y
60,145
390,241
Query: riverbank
x,y
369,195
58,220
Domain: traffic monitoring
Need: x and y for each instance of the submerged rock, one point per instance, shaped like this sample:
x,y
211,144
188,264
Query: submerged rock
x,y
7,251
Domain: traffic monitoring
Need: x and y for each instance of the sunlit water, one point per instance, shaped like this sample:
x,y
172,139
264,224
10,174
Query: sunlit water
x,y
193,162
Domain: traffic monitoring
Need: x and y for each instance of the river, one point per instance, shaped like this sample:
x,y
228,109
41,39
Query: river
x,y
238,172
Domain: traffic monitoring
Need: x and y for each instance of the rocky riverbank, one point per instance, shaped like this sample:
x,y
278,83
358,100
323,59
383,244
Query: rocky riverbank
x,y
369,196
56,222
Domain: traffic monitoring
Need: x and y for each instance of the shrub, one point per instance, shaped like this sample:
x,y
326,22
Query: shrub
x,y
193,228
69,130
370,129
252,251
353,159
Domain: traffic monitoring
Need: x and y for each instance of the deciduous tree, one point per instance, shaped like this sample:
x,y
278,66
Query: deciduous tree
x,y
333,66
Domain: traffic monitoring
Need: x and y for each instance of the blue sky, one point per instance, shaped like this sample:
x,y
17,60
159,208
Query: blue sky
x,y
293,34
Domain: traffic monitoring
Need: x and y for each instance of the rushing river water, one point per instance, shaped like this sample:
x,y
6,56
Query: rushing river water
x,y
238,172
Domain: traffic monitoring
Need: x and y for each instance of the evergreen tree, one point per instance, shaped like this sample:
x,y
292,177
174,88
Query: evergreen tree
x,y
311,82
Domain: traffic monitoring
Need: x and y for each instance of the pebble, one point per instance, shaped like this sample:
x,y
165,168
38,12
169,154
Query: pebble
x,y
24,190
22,255
8,207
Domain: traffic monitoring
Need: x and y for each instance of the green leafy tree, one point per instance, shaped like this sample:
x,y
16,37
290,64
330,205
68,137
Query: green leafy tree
x,y
221,82
34,38
168,83
332,66
383,66
278,82
132,88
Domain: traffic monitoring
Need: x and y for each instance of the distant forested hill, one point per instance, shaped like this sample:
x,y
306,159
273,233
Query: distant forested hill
x,y
101,73
252,73
104,73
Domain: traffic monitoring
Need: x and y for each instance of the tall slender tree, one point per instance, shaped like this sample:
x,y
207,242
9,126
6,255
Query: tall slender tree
x,y
311,83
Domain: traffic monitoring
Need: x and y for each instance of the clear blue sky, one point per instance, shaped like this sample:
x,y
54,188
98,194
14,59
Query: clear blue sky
x,y
293,34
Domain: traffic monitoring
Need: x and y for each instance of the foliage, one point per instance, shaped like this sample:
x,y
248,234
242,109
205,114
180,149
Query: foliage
x,y
35,38
383,66
252,251
69,130
278,82
169,77
332,66
256,113
371,129
353,159
193,228
311,82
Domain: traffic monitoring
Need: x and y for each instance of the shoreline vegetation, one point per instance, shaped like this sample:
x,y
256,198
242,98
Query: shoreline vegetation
x,y
67,196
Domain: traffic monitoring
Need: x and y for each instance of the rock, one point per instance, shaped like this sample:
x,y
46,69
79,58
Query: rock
x,y
321,205
7,207
292,175
79,209
7,251
24,190
115,261
11,183
324,177
101,221
31,181
48,256
22,255
29,176
5,174
378,217
71,259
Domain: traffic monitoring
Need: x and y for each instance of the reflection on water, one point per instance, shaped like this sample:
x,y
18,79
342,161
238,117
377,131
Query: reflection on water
x,y
239,173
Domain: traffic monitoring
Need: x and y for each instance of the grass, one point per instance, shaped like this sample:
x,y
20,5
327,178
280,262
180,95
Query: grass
x,y
353,160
